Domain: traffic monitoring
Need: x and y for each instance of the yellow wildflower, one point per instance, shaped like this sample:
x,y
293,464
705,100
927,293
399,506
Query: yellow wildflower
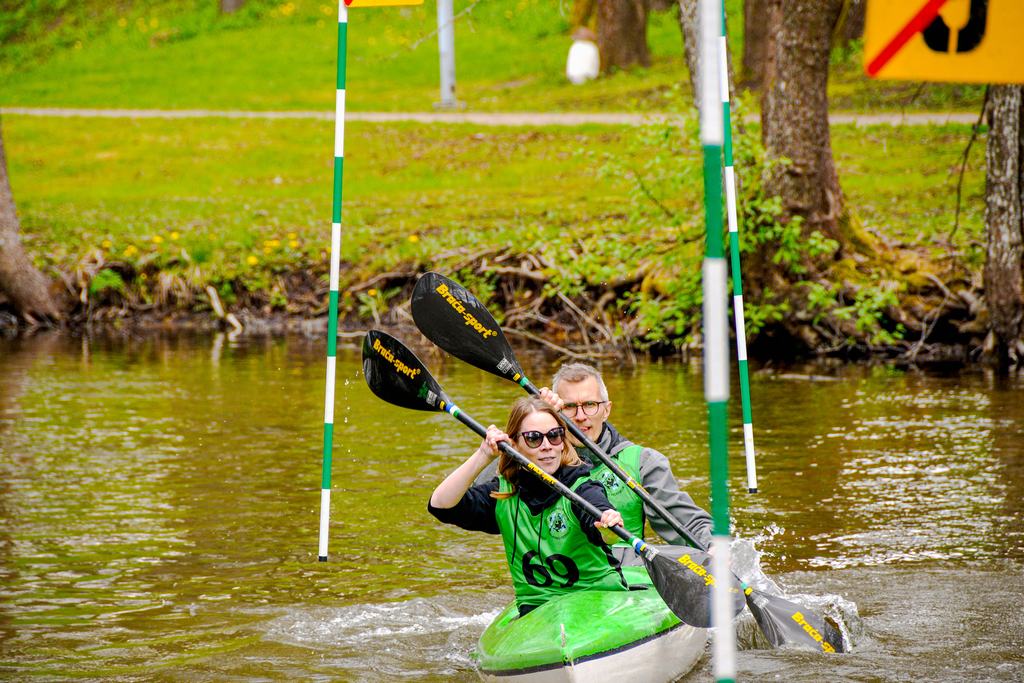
x,y
252,260
175,235
130,250
157,239
371,292
107,244
293,244
414,238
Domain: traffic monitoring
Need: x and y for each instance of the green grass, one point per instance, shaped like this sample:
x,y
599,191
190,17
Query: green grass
x,y
901,181
251,198
510,56
229,200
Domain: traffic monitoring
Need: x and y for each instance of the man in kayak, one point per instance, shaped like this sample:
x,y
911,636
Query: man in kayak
x,y
551,546
579,392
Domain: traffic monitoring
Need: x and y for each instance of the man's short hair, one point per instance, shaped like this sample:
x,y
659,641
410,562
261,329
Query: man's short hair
x,y
577,372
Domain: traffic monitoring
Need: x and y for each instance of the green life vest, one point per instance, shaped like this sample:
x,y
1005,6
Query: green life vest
x,y
548,553
621,496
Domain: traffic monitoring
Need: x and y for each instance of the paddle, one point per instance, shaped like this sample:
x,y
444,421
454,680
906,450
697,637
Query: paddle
x,y
396,375
450,316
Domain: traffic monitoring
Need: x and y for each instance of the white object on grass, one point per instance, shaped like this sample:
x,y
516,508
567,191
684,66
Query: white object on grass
x,y
583,62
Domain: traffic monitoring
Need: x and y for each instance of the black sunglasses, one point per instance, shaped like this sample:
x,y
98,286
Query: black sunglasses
x,y
534,439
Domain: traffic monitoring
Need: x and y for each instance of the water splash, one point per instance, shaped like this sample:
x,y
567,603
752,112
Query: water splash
x,y
746,562
391,639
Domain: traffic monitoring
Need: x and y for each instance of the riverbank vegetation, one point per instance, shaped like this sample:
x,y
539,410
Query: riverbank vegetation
x,y
589,237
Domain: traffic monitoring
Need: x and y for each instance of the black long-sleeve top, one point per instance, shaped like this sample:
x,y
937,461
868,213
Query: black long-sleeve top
x,y
475,511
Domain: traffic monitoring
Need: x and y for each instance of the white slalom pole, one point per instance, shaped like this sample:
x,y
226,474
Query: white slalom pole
x,y
332,316
716,340
737,279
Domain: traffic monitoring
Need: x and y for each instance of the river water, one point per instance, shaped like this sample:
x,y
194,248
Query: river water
x,y
159,502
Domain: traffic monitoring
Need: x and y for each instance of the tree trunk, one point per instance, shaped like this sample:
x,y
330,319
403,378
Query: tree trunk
x,y
689,26
1004,221
26,288
755,42
229,6
583,15
853,19
622,34
794,112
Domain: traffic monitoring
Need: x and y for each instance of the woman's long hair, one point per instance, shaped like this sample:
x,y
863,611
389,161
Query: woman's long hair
x,y
509,468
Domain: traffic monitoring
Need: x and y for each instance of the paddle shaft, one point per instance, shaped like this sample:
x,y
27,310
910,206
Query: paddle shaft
x,y
621,473
576,499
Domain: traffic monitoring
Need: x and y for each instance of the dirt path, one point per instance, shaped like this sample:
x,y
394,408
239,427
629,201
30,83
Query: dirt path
x,y
475,118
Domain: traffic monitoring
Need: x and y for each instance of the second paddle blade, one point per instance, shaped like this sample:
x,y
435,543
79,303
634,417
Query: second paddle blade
x,y
787,623
450,316
682,577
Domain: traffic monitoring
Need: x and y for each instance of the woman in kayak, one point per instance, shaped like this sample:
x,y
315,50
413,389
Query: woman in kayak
x,y
551,546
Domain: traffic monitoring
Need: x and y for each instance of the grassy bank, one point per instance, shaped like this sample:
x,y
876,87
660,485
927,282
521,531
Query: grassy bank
x,y
281,55
145,215
151,211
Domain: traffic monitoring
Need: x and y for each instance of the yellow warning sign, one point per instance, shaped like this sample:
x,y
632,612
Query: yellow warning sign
x,y
966,41
381,3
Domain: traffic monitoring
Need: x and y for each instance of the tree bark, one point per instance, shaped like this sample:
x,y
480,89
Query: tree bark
x,y
689,27
853,20
755,42
229,6
794,112
26,288
622,34
1004,222
583,15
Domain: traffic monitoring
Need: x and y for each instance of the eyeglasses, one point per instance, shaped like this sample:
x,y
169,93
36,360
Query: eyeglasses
x,y
534,439
589,408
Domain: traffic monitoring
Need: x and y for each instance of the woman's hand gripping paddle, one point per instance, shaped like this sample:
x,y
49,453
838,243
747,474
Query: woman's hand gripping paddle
x,y
397,376
450,316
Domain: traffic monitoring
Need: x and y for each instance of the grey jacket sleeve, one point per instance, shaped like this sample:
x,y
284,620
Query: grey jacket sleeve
x,y
656,476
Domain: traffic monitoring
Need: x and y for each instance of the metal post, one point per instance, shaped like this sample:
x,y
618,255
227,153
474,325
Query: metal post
x,y
446,47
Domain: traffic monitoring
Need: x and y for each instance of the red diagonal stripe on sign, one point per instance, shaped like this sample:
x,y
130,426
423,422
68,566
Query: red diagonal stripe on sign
x,y
916,25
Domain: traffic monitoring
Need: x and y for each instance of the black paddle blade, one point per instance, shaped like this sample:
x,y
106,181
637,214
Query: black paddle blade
x,y
684,581
787,623
450,316
395,374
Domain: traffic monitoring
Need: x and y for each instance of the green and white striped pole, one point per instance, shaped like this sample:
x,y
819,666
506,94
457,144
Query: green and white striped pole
x,y
332,315
737,279
716,339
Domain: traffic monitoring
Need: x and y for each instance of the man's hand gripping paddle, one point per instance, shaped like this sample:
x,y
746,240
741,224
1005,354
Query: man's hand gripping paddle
x,y
450,316
682,577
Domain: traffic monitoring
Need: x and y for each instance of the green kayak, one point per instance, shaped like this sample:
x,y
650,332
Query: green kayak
x,y
591,636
